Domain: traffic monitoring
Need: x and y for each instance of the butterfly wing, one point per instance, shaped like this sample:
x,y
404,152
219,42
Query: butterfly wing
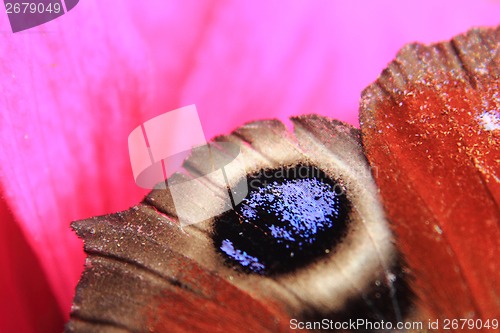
x,y
144,272
137,279
431,128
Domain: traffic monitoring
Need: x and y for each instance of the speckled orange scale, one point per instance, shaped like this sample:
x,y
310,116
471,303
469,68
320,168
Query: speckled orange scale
x,y
431,128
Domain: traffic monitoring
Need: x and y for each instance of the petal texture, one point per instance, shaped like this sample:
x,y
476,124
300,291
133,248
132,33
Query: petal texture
x,y
72,90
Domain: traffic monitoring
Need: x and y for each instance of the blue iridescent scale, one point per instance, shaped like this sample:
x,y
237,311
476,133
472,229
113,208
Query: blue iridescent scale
x,y
283,223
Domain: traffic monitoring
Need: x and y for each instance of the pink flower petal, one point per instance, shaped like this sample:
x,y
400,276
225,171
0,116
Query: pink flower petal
x,y
27,303
74,88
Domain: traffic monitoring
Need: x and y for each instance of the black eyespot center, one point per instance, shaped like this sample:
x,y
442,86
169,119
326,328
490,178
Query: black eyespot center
x,y
291,217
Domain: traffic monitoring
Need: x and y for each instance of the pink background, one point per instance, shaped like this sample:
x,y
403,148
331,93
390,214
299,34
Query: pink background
x,y
73,89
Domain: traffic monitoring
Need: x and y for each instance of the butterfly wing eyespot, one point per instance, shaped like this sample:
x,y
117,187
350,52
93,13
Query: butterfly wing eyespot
x,y
431,126
430,133
290,216
146,272
363,265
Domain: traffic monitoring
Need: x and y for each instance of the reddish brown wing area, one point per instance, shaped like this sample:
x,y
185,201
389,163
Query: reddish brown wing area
x,y
431,129
133,283
217,306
